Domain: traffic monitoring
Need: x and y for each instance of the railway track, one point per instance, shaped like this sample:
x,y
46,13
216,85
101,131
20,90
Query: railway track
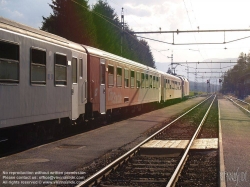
x,y
240,103
146,165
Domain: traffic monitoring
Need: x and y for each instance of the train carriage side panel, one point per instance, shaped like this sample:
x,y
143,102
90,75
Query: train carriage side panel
x,y
186,83
124,85
114,87
172,87
118,75
147,92
31,93
94,82
185,86
79,79
163,87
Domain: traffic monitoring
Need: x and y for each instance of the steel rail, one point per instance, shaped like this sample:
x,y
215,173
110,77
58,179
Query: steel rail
x,y
241,101
238,105
178,169
92,179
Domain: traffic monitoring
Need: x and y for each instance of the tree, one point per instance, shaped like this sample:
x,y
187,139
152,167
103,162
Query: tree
x,y
99,27
108,27
232,77
71,20
110,34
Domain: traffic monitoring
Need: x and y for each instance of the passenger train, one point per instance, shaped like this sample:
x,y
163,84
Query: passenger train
x,y
44,77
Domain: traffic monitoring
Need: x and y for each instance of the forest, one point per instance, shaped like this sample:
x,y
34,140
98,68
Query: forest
x,y
233,76
98,26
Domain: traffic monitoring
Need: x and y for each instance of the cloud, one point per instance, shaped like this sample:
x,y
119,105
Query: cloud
x,y
11,14
3,2
138,10
28,12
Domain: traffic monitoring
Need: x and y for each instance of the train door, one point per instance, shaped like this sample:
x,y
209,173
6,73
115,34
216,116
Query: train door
x,y
82,84
74,64
102,87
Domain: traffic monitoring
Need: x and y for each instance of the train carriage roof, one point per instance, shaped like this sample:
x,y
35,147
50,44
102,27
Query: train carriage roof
x,y
38,34
107,55
169,76
182,78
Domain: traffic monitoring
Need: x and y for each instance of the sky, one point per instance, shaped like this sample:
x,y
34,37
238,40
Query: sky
x,y
169,15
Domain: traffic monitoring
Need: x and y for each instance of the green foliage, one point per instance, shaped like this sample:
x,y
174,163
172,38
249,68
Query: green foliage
x,y
108,27
232,76
71,20
99,27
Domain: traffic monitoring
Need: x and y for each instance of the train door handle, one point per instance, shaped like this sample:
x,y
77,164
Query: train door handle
x,y
104,90
72,91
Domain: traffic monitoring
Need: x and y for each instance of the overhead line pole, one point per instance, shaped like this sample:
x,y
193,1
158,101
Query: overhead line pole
x,y
122,23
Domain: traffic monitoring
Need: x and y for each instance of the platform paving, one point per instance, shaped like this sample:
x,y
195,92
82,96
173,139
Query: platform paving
x,y
235,130
74,152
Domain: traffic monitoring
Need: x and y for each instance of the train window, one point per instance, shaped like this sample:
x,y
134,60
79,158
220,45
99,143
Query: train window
x,y
111,75
74,70
142,80
102,72
153,81
126,78
9,62
60,69
146,77
138,80
132,79
38,66
119,77
150,81
80,67
157,82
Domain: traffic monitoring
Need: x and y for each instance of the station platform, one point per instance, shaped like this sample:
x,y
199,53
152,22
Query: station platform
x,y
235,149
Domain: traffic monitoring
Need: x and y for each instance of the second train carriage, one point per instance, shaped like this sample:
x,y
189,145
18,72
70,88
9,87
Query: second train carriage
x,y
185,86
115,82
171,87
